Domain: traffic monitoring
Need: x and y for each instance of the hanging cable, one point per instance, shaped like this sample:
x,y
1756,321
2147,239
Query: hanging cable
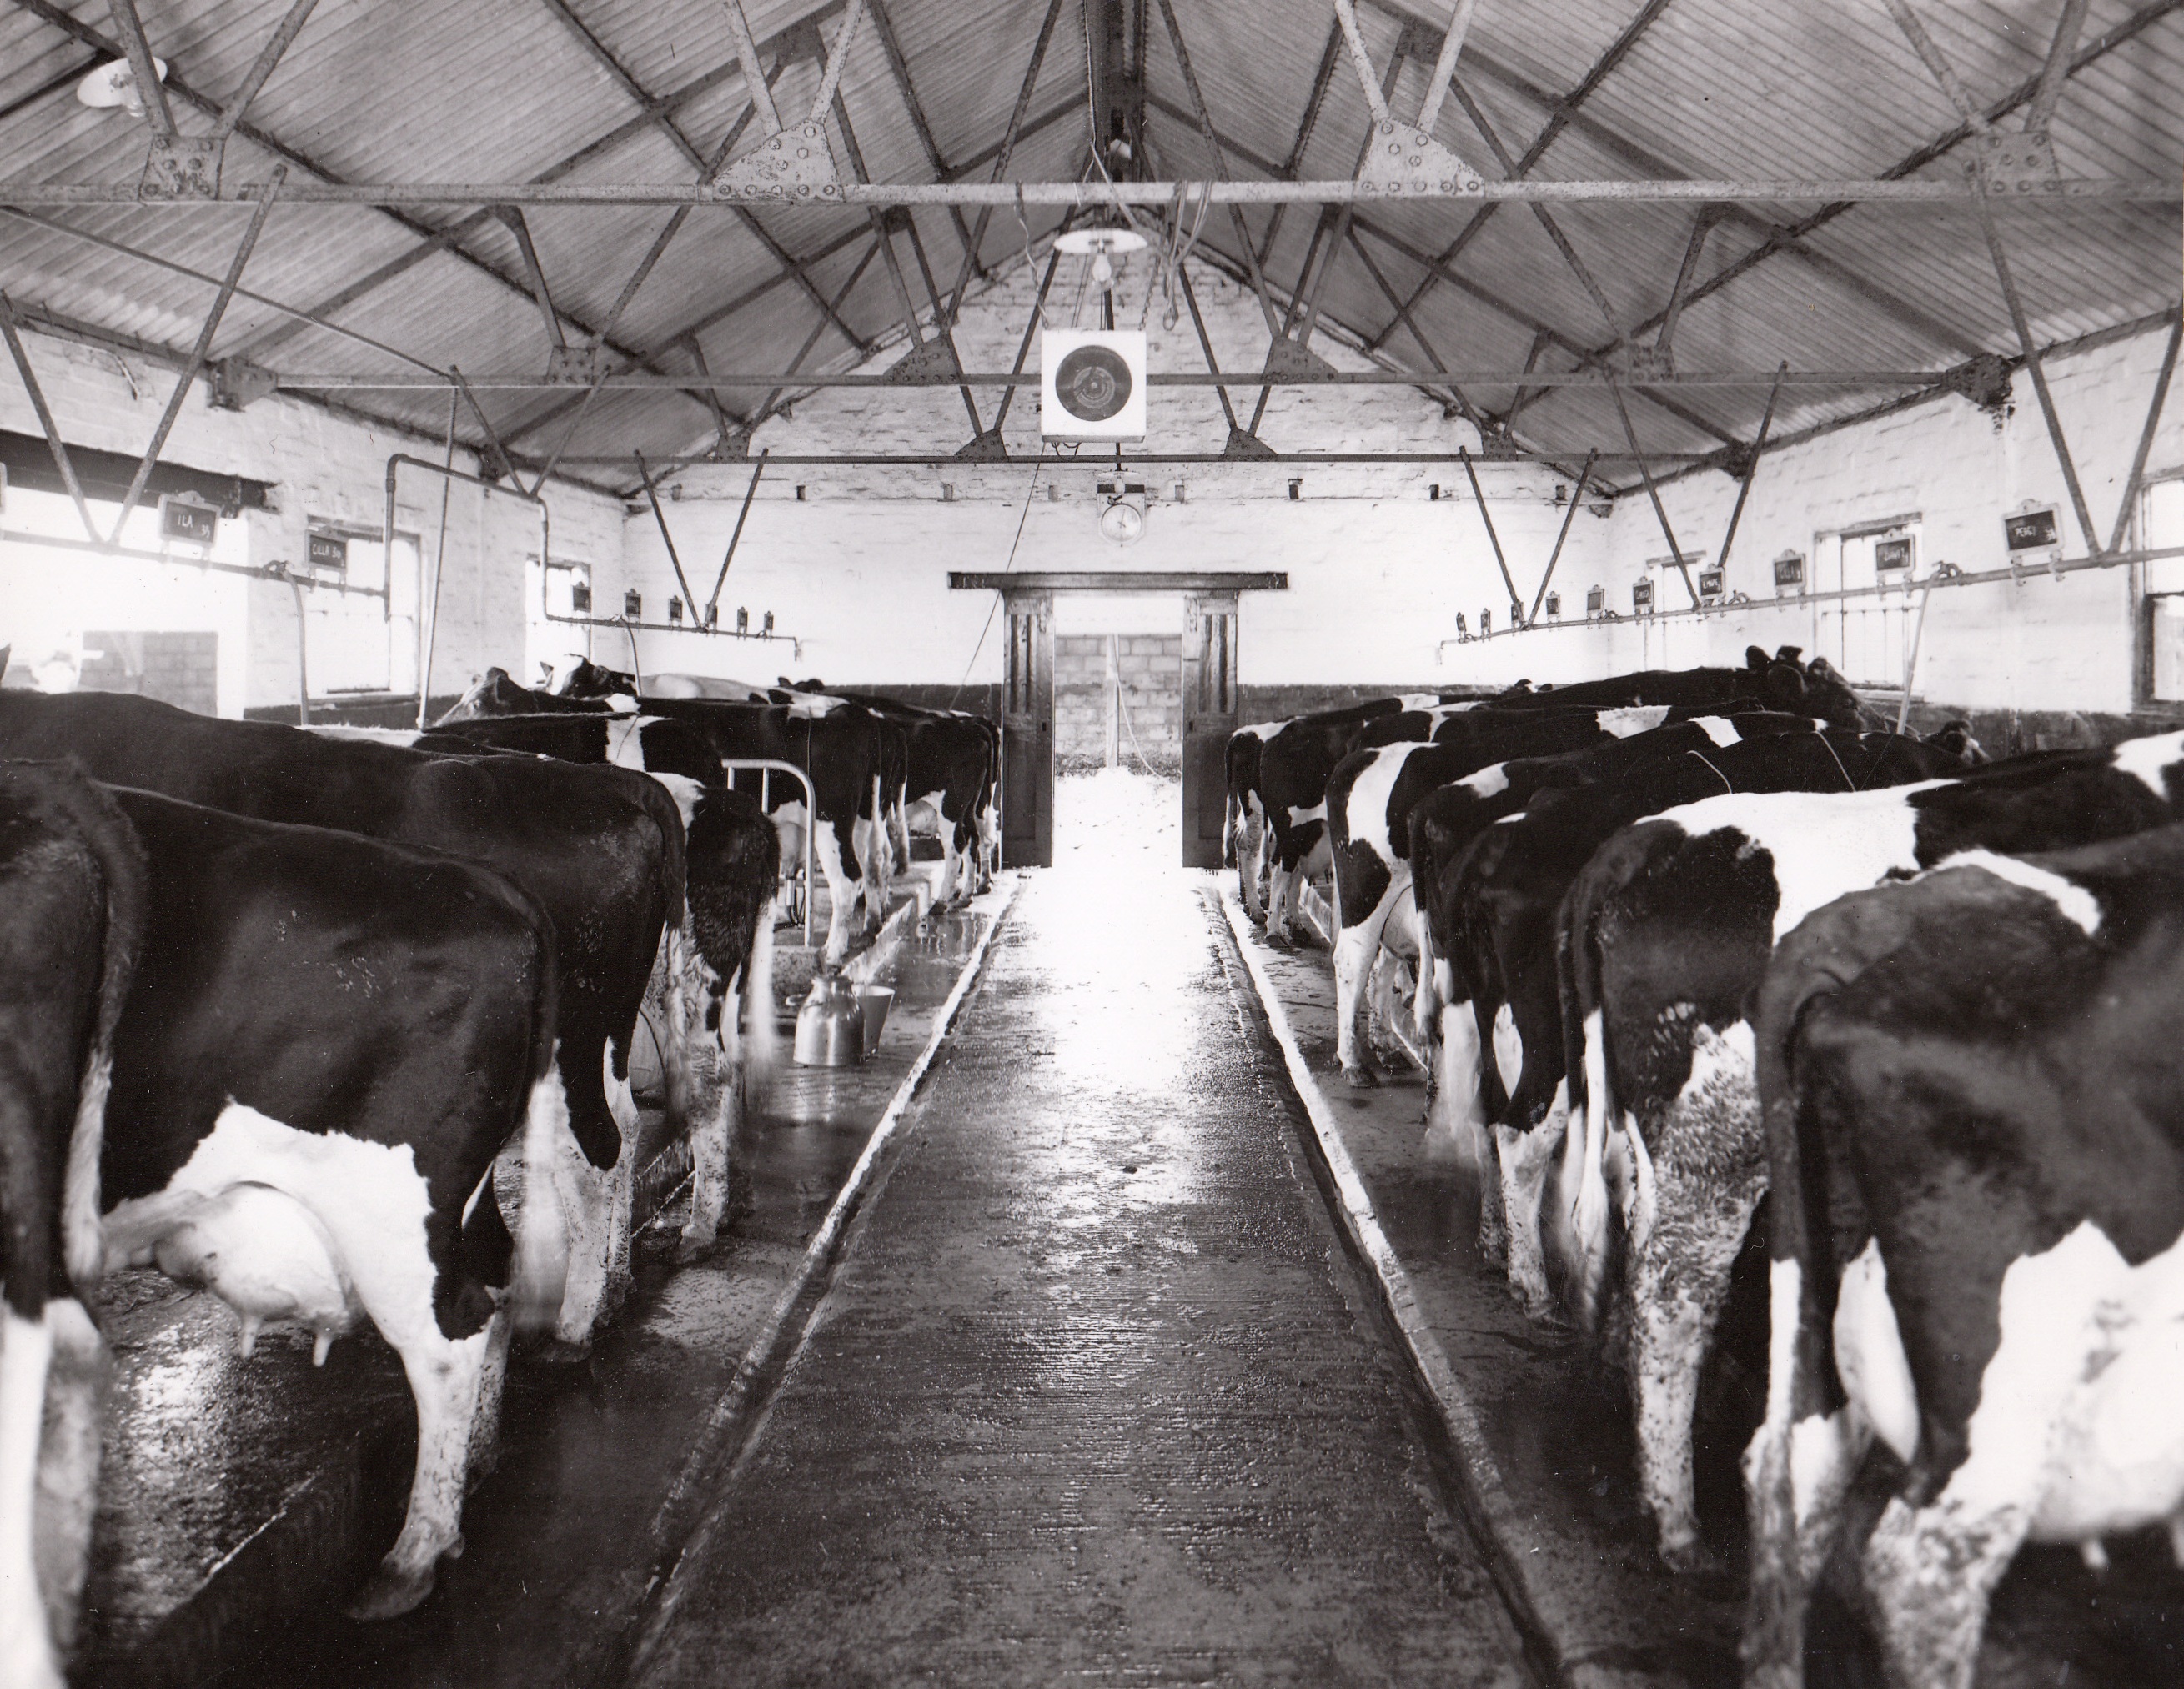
x,y
1022,516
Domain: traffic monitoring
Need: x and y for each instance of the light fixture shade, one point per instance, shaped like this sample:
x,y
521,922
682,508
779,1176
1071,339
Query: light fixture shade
x,y
114,84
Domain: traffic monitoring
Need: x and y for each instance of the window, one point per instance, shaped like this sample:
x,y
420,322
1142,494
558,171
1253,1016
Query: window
x,y
568,589
2161,523
1868,637
353,638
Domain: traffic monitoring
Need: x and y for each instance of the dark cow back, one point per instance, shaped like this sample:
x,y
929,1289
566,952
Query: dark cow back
x,y
596,854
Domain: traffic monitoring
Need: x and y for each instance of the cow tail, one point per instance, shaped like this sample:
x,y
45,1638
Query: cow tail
x,y
542,1235
1577,960
1425,870
1811,963
762,1045
98,820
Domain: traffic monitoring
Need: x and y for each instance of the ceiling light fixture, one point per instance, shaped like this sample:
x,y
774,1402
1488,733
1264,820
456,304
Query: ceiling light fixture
x,y
114,84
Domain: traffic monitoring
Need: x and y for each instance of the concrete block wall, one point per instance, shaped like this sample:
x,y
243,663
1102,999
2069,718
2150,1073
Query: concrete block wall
x,y
1149,669
326,468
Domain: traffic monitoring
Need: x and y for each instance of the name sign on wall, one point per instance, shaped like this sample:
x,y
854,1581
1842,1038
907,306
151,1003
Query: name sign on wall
x,y
188,521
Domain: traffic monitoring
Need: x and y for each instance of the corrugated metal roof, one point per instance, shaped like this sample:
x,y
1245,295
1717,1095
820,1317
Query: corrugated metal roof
x,y
506,90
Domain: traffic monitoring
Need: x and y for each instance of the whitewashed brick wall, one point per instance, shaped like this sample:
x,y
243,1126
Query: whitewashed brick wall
x,y
324,467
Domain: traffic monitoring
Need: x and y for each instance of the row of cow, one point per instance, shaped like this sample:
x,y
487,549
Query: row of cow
x,y
273,1002
1675,942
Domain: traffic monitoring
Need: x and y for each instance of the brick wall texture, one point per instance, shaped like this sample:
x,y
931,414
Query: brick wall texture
x,y
1148,673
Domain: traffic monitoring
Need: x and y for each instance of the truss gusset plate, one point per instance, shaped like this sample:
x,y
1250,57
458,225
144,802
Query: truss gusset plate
x,y
183,166
236,382
985,446
795,163
1649,363
2012,162
1285,358
576,366
1406,160
1244,444
937,357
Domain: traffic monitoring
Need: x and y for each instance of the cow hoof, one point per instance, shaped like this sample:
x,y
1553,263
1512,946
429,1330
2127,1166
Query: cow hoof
x,y
1279,940
1360,1078
562,1352
694,1241
1692,1560
389,1594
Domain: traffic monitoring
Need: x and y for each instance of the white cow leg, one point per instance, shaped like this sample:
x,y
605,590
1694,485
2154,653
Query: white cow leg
x,y
1525,1157
1356,948
27,1352
623,1190
446,1377
711,1139
1278,882
1455,1122
587,1197
1694,1193
1932,1572
68,1464
826,851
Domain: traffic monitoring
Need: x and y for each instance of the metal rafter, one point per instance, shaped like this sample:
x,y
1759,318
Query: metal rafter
x,y
1561,113
1007,150
269,56
189,375
176,85
54,443
899,68
1323,78
1790,238
53,84
141,65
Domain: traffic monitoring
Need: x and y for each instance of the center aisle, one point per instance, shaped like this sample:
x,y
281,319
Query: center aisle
x,y
1096,1391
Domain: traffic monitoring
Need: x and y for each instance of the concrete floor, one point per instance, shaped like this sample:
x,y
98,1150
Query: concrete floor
x,y
1097,1392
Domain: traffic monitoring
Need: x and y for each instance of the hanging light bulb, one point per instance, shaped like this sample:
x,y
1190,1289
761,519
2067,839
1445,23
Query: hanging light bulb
x,y
1103,273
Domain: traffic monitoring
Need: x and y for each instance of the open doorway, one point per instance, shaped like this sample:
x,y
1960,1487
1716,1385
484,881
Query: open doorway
x,y
1117,724
1095,608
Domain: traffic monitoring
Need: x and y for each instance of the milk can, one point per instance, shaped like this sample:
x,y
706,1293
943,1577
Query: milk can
x,y
830,1026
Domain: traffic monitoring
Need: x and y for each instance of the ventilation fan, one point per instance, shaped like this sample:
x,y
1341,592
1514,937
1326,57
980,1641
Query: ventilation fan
x,y
114,84
1092,384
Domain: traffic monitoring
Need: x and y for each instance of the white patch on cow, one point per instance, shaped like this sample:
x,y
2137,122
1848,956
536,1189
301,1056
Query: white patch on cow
x,y
1641,718
373,735
1456,1121
1261,730
2076,904
812,706
1422,701
1823,844
26,1347
686,792
68,1464
1508,1047
922,816
826,851
1870,1358
625,741
622,703
1490,781
1366,809
1317,813
2149,759
1589,1215
354,1215
1719,728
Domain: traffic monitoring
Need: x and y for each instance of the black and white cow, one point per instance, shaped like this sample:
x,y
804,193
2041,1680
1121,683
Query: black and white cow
x,y
716,965
1780,682
847,751
1974,1095
72,910
1492,855
329,1039
949,790
1665,935
1289,793
1368,802
601,850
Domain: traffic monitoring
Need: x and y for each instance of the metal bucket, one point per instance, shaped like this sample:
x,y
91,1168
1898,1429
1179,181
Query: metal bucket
x,y
830,1026
875,1001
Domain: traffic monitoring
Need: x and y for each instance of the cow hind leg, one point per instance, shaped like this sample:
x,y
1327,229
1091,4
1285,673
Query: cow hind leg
x,y
68,1464
26,1643
1356,948
1694,1190
1525,1155
1455,1122
826,850
446,1378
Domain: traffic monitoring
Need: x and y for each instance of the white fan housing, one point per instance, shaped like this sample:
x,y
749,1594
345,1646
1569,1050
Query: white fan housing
x,y
1092,384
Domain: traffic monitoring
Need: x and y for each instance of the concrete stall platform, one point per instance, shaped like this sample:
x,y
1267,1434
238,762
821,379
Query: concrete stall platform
x,y
243,1499
1545,1429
